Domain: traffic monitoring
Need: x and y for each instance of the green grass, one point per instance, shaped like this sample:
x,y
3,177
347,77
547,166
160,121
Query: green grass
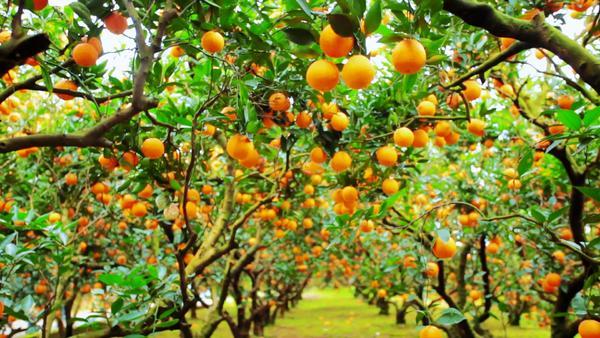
x,y
336,313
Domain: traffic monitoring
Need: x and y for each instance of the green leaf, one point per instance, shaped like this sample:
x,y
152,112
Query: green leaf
x,y
343,24
569,118
117,305
409,82
168,323
111,279
373,17
590,192
389,202
594,244
305,7
578,304
591,116
175,185
450,316
300,34
526,162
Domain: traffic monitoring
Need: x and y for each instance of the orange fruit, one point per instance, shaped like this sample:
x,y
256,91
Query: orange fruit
x,y
146,192
443,249
54,217
492,248
451,138
349,195
557,129
507,90
212,42
553,279
153,148
97,43
85,54
453,100
322,75
589,328
229,112
115,23
38,5
65,84
566,234
71,179
340,161
333,45
108,163
387,156
404,137
139,209
409,56
565,101
476,127
426,108
318,155
177,51
252,159
431,270
472,90
303,119
421,138
239,146
279,102
358,72
339,121
390,186
431,331
442,128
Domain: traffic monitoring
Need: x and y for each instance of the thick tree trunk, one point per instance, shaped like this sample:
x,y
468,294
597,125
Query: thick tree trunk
x,y
401,315
384,306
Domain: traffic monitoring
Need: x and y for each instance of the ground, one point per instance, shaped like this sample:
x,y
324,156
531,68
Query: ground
x,y
325,313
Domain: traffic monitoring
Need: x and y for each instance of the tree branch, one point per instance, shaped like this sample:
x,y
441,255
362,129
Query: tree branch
x,y
536,33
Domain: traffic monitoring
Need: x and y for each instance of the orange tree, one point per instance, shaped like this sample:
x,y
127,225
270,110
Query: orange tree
x,y
164,156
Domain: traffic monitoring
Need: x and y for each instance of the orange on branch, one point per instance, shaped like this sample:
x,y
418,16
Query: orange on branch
x,y
212,42
409,56
358,72
334,45
322,75
85,54
404,137
116,23
153,148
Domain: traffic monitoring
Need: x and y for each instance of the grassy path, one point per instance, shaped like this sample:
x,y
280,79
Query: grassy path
x,y
325,313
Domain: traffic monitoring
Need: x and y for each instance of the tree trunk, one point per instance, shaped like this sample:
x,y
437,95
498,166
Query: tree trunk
x,y
401,315
384,306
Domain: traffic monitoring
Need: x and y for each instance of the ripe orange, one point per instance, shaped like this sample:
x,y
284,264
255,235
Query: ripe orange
x,y
322,75
279,102
116,23
333,45
557,129
409,56
139,209
339,121
492,248
121,260
340,161
566,234
476,127
553,279
303,119
54,217
177,51
390,186
442,128
212,42
472,89
146,192
387,156
565,101
431,270
426,108
358,72
589,328
431,331
65,84
71,179
507,90
421,138
38,5
108,163
153,148
349,195
443,249
97,43
453,100
318,155
404,137
239,146
85,54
